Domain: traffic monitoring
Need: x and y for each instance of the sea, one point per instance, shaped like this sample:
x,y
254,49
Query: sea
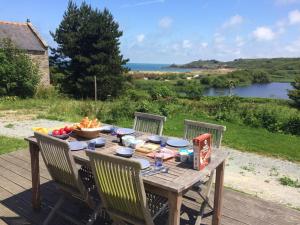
x,y
154,67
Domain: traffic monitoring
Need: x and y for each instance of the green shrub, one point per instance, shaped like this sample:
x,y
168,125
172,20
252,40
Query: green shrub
x,y
295,93
18,74
47,92
137,95
206,81
219,82
292,126
161,91
260,76
194,91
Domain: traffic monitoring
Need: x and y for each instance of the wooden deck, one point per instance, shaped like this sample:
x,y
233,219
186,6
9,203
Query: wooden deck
x,y
15,201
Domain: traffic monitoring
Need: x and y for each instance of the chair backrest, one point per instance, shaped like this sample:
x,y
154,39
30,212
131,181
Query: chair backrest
x,y
120,187
60,163
149,123
193,129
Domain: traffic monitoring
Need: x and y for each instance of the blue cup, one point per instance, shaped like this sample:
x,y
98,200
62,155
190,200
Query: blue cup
x,y
92,145
163,142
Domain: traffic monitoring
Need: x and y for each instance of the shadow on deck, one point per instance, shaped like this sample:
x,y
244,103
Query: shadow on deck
x,y
15,201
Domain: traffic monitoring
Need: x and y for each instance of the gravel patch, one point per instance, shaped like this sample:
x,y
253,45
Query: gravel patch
x,y
21,129
247,172
259,175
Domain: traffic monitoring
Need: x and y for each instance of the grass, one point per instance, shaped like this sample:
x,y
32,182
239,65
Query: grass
x,y
238,136
9,125
287,181
244,138
9,144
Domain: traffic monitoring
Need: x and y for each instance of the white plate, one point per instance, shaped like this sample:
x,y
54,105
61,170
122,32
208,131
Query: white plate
x,y
176,142
77,145
144,162
106,128
125,151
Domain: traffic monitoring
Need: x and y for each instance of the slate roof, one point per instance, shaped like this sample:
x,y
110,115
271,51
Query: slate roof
x,y
23,35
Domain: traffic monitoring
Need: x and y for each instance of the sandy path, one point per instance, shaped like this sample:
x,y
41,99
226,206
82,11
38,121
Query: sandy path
x,y
246,172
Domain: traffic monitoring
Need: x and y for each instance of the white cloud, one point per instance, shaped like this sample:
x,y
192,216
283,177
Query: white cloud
x,y
294,16
263,34
218,38
239,41
140,38
233,21
204,44
294,47
186,44
165,22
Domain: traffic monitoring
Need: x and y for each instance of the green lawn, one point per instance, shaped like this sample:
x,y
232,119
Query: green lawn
x,y
237,136
8,144
241,137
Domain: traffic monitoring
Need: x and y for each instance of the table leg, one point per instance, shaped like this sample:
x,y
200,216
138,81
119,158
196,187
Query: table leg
x,y
175,201
218,196
35,175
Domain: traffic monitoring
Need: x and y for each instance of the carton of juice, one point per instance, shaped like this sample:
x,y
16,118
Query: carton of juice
x,y
202,150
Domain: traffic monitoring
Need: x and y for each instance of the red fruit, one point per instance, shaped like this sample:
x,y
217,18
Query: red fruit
x,y
67,129
63,132
55,132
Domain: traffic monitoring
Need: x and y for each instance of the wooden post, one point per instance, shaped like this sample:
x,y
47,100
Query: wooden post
x,y
218,198
35,175
95,86
175,201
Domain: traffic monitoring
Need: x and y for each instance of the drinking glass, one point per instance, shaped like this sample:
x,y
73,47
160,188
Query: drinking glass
x,y
158,160
92,145
163,142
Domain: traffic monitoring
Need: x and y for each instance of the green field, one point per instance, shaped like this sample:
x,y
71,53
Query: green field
x,y
9,144
120,112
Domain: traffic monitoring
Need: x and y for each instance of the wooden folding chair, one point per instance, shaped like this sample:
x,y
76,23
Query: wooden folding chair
x,y
62,168
122,190
149,123
193,129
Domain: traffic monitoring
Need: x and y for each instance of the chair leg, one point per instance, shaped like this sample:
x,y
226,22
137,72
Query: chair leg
x,y
53,211
205,197
94,216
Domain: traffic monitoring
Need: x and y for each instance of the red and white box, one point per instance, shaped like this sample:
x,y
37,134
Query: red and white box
x,y
202,151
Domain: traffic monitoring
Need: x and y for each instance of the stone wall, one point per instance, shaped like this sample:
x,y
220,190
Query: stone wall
x,y
42,60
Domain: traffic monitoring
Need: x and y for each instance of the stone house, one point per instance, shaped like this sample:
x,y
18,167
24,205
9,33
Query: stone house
x,y
25,37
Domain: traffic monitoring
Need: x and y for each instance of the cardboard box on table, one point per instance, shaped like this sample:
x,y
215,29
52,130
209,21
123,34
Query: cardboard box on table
x,y
202,150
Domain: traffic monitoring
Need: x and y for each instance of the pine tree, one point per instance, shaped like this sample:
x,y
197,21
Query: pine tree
x,y
295,94
88,46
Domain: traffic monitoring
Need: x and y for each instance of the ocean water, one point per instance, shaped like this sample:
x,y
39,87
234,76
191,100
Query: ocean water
x,y
154,67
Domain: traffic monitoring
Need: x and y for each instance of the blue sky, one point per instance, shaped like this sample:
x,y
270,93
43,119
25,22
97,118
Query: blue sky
x,y
179,31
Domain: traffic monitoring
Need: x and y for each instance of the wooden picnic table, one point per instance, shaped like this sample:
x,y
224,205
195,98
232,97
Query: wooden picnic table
x,y
174,184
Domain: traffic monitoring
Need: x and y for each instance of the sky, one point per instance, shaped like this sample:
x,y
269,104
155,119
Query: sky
x,y
180,31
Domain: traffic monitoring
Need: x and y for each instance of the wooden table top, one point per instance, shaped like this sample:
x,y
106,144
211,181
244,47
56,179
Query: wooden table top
x,y
180,176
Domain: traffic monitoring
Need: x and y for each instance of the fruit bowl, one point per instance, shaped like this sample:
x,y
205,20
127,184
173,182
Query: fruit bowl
x,y
62,133
89,134
62,136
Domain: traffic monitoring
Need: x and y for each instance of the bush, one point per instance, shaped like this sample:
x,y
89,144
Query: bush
x,y
295,94
292,126
260,76
137,95
47,92
18,74
161,91
219,82
194,91
206,81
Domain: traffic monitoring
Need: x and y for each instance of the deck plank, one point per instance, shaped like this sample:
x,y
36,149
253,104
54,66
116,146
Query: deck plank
x,y
15,200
